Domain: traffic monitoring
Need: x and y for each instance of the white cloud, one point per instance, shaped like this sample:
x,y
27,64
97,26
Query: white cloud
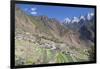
x,y
33,9
33,12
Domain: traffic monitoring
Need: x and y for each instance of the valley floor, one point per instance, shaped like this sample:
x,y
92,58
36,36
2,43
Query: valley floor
x,y
37,50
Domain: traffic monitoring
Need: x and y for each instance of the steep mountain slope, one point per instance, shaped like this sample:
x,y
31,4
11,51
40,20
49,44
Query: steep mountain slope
x,y
39,25
88,31
85,26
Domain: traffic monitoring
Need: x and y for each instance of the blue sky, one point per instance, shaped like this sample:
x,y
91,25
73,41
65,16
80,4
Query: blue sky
x,y
58,12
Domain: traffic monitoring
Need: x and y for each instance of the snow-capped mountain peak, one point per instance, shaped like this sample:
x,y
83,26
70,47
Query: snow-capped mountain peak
x,y
90,15
82,17
75,20
67,20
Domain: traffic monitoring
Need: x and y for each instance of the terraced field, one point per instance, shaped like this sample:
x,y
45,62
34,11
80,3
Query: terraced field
x,y
40,52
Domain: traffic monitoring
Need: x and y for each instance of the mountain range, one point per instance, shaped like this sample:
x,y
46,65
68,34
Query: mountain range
x,y
88,17
78,21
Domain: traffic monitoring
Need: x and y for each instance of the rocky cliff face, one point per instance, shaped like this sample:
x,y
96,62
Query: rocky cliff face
x,y
39,37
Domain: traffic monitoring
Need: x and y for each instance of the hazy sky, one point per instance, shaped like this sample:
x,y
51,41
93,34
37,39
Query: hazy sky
x,y
58,12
